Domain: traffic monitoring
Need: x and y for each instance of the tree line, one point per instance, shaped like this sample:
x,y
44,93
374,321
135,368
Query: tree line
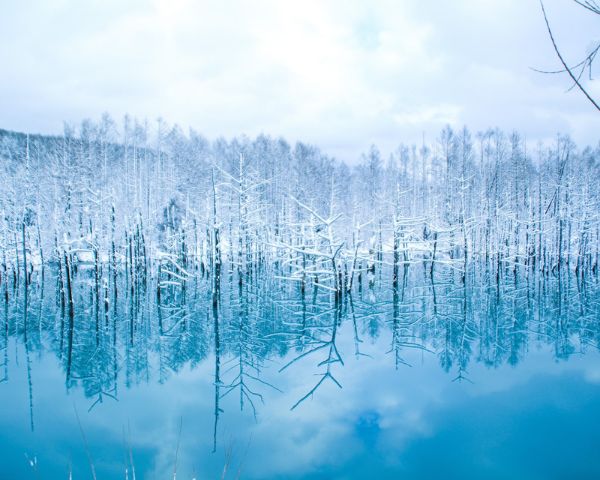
x,y
145,199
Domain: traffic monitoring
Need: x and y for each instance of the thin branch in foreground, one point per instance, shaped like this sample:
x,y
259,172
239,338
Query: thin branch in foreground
x,y
566,67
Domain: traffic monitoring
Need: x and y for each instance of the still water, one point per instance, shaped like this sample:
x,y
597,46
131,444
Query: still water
x,y
438,377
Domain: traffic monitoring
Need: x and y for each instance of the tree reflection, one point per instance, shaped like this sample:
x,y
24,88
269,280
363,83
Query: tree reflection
x,y
155,328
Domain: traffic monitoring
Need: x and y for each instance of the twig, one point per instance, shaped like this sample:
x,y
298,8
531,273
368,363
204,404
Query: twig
x,y
567,69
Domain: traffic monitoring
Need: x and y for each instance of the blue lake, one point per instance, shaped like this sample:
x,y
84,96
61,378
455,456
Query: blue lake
x,y
484,378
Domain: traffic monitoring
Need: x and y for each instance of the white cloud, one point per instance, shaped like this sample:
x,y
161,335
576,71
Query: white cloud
x,y
340,74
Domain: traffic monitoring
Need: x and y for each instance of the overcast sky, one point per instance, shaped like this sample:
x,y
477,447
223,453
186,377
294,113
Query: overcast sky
x,y
340,74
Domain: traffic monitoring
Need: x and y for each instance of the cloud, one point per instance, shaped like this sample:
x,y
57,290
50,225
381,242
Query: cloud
x,y
340,74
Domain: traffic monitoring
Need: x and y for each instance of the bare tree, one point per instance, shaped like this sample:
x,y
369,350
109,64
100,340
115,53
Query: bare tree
x,y
576,71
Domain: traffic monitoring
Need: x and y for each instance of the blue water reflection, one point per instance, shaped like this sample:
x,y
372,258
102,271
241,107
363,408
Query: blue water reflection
x,y
433,378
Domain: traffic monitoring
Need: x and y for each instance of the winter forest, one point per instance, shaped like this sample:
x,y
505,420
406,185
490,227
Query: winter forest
x,y
157,203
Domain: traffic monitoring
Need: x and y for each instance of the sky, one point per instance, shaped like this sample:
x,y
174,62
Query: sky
x,y
340,74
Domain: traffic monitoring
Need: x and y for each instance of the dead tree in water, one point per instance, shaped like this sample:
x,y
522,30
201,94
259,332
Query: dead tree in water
x,y
71,313
216,248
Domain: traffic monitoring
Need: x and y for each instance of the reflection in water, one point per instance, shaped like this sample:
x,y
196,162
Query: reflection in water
x,y
153,332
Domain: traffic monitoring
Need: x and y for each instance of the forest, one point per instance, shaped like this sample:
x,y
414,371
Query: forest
x,y
155,202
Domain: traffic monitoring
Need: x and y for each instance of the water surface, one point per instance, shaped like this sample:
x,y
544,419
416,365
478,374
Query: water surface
x,y
481,378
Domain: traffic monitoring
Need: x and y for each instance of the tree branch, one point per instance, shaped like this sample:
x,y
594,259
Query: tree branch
x,y
566,67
